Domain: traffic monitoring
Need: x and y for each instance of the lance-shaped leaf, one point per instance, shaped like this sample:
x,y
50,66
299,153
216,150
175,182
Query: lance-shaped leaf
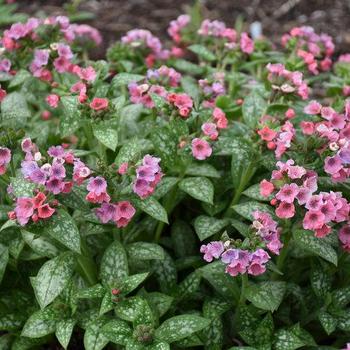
x,y
152,207
14,110
207,226
253,108
64,330
106,133
117,332
71,118
52,278
199,188
125,79
94,338
145,251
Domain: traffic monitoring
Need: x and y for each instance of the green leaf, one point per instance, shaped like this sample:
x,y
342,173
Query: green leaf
x,y
106,304
130,309
114,264
96,291
71,118
188,286
62,227
145,251
266,295
106,134
40,244
202,52
202,170
159,346
129,152
40,323
307,241
152,207
14,110
160,302
188,67
253,108
126,78
190,87
22,187
117,332
247,209
321,281
52,278
165,272
199,188
164,186
12,321
292,338
64,330
254,193
207,226
179,327
328,322
132,282
4,258
94,339
21,76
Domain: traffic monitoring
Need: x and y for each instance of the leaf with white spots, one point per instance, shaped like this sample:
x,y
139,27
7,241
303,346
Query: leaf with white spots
x,y
114,264
199,188
130,309
117,332
253,108
159,346
126,78
152,207
179,327
165,272
22,187
64,330
132,282
159,302
292,338
247,209
106,303
254,193
317,246
266,295
62,227
106,133
328,322
4,258
71,117
202,52
40,244
206,170
52,278
14,110
129,152
207,226
164,186
41,323
96,291
145,251
94,339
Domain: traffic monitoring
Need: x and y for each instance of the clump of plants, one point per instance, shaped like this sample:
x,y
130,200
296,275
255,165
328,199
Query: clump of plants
x,y
188,194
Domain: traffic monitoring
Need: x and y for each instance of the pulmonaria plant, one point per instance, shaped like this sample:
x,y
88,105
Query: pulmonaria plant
x,y
179,194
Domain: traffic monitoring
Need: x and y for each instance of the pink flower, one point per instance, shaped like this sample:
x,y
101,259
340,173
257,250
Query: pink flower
x,y
201,149
123,168
344,237
237,260
124,213
258,259
288,193
24,209
267,134
212,250
53,100
313,108
333,165
290,113
87,74
97,185
313,220
45,211
247,44
55,185
99,104
308,128
5,158
209,129
285,210
220,118
266,188
106,212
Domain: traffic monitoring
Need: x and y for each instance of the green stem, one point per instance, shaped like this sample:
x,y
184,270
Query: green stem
x,y
244,286
87,266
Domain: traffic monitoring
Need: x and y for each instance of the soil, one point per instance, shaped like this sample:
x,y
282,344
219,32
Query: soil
x,y
114,17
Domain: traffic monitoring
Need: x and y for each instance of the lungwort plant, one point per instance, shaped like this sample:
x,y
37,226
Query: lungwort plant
x,y
193,194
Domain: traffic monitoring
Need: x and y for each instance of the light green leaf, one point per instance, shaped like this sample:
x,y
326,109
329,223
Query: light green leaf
x,y
307,241
40,323
202,52
247,209
21,76
130,151
253,108
254,193
126,78
52,278
14,110
96,291
62,227
207,226
117,332
152,207
164,186
266,295
145,251
199,188
130,308
64,330
132,282
22,187
160,302
106,134
114,264
40,244
106,304
94,339
206,170
179,327
71,118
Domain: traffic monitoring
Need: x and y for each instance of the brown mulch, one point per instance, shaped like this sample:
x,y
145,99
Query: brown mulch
x,y
114,17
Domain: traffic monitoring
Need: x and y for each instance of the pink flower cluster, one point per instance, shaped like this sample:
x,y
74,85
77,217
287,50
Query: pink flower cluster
x,y
164,75
294,184
314,49
238,261
148,175
142,93
176,26
334,127
214,87
279,140
5,158
286,81
120,213
182,102
201,148
218,29
33,208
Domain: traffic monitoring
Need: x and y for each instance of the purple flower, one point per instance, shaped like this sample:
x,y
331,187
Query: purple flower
x,y
212,250
106,212
97,185
56,152
55,185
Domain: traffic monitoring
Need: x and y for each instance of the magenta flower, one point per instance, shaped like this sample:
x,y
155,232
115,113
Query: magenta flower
x,y
97,185
288,193
313,220
55,185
